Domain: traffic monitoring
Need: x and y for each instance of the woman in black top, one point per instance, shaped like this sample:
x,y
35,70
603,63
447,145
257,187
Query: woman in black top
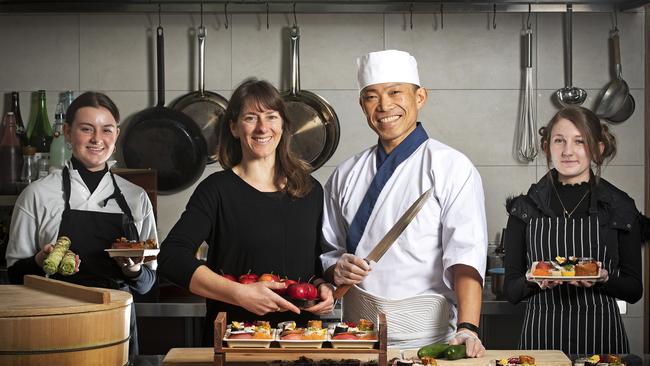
x,y
261,214
573,212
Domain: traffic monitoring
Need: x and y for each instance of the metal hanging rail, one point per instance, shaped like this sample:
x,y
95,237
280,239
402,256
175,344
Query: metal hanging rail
x,y
313,6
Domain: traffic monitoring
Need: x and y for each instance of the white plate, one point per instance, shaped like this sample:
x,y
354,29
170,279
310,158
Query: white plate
x,y
132,252
530,276
307,343
352,343
248,343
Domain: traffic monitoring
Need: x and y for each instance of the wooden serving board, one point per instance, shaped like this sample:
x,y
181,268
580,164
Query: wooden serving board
x,y
542,357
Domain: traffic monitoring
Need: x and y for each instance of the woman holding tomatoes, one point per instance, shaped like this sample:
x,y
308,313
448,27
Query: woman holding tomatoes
x,y
261,214
572,211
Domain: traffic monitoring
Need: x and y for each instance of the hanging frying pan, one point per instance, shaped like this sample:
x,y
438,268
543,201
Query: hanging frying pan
x,y
315,124
164,139
204,107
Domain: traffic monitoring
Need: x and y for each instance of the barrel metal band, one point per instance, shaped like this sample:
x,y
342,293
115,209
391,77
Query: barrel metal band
x,y
36,352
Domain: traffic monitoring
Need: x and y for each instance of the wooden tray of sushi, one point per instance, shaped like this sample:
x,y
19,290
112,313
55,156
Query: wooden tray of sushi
x,y
275,352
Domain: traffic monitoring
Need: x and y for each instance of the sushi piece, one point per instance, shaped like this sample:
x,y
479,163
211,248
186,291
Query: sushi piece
x,y
340,328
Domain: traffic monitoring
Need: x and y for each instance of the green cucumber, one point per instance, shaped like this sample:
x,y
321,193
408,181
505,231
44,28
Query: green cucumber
x,y
455,352
435,350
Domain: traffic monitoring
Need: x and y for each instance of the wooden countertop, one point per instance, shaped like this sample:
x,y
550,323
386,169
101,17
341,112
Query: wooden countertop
x,y
204,357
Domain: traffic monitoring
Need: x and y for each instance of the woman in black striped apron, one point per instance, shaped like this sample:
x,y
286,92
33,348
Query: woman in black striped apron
x,y
571,211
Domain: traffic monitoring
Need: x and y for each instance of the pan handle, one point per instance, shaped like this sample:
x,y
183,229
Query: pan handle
x,y
201,36
295,60
616,46
160,53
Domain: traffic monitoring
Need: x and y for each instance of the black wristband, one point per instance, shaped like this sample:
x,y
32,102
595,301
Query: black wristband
x,y
468,326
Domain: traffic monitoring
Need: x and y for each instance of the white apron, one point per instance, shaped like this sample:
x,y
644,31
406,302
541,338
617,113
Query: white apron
x,y
412,322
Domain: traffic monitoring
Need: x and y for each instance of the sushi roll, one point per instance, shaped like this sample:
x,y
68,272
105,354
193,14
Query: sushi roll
x,y
340,328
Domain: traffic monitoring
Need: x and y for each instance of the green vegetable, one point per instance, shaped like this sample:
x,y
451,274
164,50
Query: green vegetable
x,y
67,265
455,352
51,263
435,350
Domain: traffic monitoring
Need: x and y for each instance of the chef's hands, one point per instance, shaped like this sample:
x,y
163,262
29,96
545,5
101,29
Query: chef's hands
x,y
259,298
130,266
548,284
473,345
39,258
326,304
350,270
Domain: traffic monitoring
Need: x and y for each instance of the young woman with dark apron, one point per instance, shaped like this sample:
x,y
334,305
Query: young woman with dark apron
x,y
571,211
90,233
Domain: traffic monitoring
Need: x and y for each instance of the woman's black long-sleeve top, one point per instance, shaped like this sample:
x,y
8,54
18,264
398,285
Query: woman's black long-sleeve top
x,y
619,220
246,230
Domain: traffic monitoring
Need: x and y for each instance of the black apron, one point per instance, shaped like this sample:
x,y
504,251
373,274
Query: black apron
x,y
90,233
576,320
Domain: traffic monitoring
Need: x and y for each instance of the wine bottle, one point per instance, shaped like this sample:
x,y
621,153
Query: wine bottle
x,y
59,152
21,132
29,171
40,133
11,160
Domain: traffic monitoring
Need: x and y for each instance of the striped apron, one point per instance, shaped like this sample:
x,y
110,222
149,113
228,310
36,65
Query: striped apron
x,y
573,319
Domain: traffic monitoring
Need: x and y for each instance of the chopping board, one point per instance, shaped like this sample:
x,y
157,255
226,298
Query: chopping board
x,y
52,322
542,357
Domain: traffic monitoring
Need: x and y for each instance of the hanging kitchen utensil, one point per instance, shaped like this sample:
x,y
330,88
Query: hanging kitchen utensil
x,y
164,139
316,128
204,107
616,97
625,112
528,125
569,94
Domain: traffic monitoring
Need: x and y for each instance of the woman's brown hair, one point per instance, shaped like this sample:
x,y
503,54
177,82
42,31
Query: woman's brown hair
x,y
92,99
290,172
592,130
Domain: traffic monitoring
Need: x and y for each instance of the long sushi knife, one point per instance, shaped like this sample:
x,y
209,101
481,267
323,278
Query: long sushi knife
x,y
391,236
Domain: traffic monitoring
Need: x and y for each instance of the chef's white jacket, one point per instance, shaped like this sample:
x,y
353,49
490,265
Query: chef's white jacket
x,y
450,229
37,212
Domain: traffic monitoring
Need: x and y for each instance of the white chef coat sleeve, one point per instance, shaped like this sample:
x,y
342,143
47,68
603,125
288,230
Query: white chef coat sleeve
x,y
334,226
464,228
23,233
148,230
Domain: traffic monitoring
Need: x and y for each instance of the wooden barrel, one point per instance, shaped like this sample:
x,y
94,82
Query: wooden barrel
x,y
49,322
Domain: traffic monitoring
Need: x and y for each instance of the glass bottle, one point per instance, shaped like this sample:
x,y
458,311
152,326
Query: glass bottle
x,y
21,132
11,159
40,132
59,152
67,99
28,172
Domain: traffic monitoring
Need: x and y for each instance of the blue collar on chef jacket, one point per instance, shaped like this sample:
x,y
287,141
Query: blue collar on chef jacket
x,y
386,166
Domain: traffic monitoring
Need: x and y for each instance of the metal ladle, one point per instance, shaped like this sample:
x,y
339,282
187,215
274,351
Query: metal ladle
x,y
615,96
569,94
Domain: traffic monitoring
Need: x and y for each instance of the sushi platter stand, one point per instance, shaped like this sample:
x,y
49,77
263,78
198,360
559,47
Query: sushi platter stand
x,y
222,353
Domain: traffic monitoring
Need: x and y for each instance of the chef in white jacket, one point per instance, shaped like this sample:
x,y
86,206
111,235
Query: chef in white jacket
x,y
429,282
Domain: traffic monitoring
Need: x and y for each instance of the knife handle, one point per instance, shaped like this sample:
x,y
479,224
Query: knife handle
x,y
341,291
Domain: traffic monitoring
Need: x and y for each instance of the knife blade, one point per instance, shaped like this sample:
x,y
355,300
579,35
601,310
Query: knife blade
x,y
391,236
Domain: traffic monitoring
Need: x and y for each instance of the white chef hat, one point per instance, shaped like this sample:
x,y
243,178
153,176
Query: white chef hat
x,y
386,67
